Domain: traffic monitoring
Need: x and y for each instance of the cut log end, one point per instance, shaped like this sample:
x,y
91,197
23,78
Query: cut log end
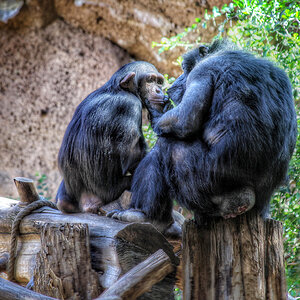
x,y
26,189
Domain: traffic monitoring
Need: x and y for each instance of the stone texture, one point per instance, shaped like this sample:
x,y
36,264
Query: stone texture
x,y
133,25
44,75
34,14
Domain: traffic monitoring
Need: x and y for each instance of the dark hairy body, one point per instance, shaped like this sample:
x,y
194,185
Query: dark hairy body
x,y
226,146
104,143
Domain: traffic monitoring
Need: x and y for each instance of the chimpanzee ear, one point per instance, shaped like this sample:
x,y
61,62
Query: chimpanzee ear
x,y
127,83
203,50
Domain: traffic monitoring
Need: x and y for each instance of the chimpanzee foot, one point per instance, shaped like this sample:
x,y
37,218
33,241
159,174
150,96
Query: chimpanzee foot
x,y
234,203
128,215
240,210
66,206
170,230
90,203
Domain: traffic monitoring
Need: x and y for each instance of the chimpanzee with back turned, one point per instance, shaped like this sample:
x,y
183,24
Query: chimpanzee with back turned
x,y
226,146
104,143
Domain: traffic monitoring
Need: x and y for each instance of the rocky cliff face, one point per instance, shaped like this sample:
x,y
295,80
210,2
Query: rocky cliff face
x,y
55,52
132,25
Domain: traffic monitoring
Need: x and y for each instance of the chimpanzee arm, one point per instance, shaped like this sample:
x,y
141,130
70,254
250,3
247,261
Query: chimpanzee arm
x,y
187,118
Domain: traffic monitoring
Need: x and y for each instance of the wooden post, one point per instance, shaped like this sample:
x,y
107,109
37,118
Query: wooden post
x,y
30,201
26,190
63,267
234,259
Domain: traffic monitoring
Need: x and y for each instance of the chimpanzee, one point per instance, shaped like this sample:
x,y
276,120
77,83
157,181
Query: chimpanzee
x,y
226,146
104,143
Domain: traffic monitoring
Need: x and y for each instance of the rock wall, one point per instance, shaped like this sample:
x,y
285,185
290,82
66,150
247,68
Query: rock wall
x,y
132,25
44,75
55,52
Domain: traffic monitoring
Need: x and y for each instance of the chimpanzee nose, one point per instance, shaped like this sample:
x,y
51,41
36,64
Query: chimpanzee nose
x,y
159,91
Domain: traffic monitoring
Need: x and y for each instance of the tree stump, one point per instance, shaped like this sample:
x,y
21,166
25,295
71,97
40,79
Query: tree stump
x,y
63,267
234,259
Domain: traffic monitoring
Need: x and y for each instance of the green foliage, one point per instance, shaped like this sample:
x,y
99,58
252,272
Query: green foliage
x,y
177,294
285,206
148,132
149,135
42,186
269,29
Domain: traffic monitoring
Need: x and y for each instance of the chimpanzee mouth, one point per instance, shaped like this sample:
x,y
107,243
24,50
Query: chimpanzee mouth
x,y
156,100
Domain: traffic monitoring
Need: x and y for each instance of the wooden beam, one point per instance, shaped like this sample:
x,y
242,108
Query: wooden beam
x,y
141,278
26,189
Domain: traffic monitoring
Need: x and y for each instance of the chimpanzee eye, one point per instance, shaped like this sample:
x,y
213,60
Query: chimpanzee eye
x,y
160,81
151,78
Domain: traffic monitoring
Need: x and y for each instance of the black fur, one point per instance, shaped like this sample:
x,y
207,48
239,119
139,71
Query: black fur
x,y
104,141
231,134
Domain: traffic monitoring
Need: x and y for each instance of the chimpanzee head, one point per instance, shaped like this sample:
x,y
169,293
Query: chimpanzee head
x,y
143,80
190,60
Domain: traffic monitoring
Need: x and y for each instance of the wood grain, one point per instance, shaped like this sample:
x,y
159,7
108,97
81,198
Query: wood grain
x,y
236,259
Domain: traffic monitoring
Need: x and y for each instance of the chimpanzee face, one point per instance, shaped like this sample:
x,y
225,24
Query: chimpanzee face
x,y
150,88
146,85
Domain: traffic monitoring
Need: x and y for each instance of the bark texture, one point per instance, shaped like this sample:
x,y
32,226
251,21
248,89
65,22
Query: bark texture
x,y
235,259
63,267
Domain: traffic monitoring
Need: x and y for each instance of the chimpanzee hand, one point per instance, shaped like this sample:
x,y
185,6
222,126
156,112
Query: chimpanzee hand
x,y
153,113
167,104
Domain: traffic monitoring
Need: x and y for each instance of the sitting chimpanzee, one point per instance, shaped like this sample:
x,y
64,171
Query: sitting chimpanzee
x,y
104,143
225,147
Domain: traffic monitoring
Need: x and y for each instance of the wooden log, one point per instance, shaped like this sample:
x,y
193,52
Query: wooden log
x,y
12,291
141,278
63,266
26,190
236,259
116,247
